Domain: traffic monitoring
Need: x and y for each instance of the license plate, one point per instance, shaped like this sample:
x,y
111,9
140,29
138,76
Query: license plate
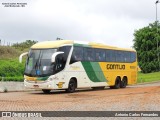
x,y
36,86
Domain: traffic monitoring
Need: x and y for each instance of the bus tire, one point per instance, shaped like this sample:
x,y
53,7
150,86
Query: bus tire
x,y
71,86
123,83
46,91
117,83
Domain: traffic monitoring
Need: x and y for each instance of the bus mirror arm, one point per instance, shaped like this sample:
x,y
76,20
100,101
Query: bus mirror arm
x,y
53,59
20,57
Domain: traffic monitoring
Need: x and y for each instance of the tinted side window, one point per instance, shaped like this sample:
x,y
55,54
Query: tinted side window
x,y
66,50
89,54
133,56
110,56
61,58
120,56
77,54
126,56
100,55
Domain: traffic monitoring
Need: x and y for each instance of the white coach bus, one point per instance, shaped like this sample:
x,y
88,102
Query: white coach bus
x,y
67,65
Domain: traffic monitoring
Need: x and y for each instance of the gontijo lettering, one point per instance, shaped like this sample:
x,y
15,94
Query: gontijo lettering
x,y
115,66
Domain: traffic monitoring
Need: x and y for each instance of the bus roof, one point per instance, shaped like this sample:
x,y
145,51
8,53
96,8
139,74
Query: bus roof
x,y
51,44
59,43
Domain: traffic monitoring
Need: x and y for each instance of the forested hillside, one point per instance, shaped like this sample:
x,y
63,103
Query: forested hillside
x,y
10,68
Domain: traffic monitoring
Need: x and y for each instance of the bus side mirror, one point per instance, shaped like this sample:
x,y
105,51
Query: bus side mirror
x,y
20,57
53,59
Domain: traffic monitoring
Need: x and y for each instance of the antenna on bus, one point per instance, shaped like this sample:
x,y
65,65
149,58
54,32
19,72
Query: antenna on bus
x,y
59,38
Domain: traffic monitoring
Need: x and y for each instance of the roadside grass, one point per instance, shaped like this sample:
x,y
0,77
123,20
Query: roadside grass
x,y
149,77
7,52
11,70
17,78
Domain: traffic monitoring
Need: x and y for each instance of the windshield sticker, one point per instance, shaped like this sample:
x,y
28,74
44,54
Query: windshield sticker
x,y
38,72
44,68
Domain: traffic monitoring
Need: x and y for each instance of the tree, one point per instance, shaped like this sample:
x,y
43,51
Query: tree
x,y
145,43
24,45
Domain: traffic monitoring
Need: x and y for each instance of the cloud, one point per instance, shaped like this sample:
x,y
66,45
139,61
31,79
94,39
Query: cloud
x,y
108,21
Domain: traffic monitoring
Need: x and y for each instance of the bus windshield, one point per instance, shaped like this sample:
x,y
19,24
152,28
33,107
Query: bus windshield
x,y
39,62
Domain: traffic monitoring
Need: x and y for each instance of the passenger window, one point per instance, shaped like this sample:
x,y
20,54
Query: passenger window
x,y
89,54
110,55
119,56
127,56
100,55
133,56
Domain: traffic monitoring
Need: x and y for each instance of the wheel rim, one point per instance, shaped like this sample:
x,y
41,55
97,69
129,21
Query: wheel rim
x,y
124,83
118,83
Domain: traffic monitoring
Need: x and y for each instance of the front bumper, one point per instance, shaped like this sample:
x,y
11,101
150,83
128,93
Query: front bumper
x,y
39,85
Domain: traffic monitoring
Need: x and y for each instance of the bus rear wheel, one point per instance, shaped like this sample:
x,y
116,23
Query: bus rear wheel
x,y
46,91
111,87
117,84
71,86
123,83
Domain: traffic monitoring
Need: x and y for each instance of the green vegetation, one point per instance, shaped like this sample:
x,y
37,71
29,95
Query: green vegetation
x,y
7,52
145,43
24,45
150,77
10,68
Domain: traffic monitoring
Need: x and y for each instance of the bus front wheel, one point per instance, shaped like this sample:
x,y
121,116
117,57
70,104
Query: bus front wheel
x,y
71,86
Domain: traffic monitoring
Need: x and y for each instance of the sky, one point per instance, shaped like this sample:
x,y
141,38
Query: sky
x,y
111,22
